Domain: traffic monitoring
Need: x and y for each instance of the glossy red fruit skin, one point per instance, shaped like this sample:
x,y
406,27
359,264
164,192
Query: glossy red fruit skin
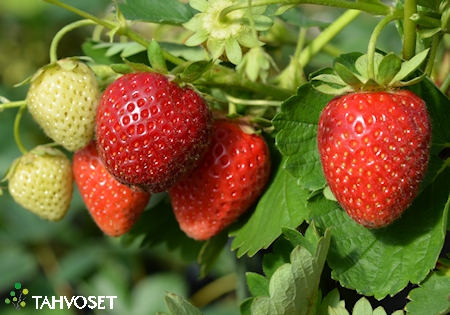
x,y
151,131
374,148
114,207
228,180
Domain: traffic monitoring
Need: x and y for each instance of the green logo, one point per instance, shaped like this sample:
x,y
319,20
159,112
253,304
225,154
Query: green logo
x,y
17,297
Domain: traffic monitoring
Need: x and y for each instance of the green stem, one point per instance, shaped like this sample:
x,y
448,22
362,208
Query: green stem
x,y
445,85
241,101
252,22
16,129
228,78
327,35
66,29
373,41
372,8
79,12
123,30
431,58
13,104
409,30
300,42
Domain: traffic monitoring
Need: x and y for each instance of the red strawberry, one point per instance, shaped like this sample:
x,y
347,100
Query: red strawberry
x,y
113,206
151,131
374,148
228,180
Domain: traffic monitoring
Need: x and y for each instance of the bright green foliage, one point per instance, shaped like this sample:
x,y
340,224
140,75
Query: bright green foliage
x,y
432,297
166,12
292,288
283,204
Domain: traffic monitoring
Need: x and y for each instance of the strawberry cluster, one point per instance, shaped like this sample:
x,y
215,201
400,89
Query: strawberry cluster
x,y
144,134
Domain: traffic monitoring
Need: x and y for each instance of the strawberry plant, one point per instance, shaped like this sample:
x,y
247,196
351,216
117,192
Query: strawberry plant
x,y
260,130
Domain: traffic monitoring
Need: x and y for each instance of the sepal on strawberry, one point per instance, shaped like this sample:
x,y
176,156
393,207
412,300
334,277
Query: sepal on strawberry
x,y
389,73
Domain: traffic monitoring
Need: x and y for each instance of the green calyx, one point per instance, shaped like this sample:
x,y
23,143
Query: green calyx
x,y
389,72
224,28
67,64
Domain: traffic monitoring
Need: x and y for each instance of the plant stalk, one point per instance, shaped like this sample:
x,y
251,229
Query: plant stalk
x,y
372,8
13,104
17,131
409,30
126,31
373,41
61,33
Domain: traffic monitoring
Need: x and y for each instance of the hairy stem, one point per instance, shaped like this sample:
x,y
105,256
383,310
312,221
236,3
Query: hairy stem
x,y
17,131
62,32
241,101
372,8
81,13
13,104
431,59
126,31
409,30
373,41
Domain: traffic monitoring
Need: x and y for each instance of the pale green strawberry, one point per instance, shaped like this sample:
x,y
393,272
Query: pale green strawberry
x,y
42,182
63,99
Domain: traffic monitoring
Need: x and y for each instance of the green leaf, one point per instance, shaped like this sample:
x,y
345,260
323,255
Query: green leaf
x,y
124,50
432,297
156,58
332,299
195,70
122,68
329,78
337,311
362,307
246,306
210,251
431,4
233,50
389,66
361,64
408,67
347,75
297,17
293,287
297,135
280,256
179,306
258,285
357,255
280,206
157,11
99,54
140,67
350,61
379,311
438,105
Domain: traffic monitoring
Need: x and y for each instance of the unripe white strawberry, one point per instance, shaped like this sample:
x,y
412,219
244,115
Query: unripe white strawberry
x,y
63,99
42,182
